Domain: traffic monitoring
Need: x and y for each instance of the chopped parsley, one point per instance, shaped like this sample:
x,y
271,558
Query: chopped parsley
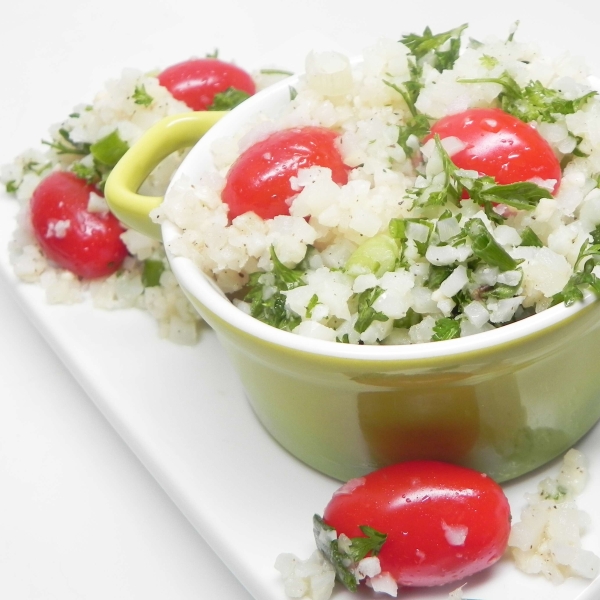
x,y
366,313
264,293
441,50
534,102
90,174
345,563
437,275
417,125
482,190
63,144
314,300
445,329
582,278
228,99
411,318
141,96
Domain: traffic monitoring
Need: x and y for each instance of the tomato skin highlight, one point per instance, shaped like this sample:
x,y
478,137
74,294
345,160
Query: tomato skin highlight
x,y
500,146
259,180
196,82
443,522
90,245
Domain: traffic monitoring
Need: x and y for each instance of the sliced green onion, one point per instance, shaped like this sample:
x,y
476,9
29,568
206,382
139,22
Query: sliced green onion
x,y
487,248
529,238
377,255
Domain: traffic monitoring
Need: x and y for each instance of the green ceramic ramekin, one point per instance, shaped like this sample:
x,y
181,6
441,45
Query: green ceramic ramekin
x,y
503,402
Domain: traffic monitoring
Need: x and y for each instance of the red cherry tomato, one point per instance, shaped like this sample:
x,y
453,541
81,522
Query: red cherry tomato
x,y
259,180
87,244
500,146
443,522
197,81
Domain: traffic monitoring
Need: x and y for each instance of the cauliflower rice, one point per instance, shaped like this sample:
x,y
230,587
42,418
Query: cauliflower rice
x,y
437,288
547,539
129,105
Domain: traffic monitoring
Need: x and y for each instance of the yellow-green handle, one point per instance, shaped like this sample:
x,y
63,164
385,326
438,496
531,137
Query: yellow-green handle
x,y
168,135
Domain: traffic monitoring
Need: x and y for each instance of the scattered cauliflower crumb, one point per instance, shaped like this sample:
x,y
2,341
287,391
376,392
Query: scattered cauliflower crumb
x,y
313,578
97,204
384,583
58,229
547,540
455,534
457,594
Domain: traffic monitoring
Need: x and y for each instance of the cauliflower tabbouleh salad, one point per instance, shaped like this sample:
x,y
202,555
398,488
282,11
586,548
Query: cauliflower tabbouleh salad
x,y
547,540
441,189
66,239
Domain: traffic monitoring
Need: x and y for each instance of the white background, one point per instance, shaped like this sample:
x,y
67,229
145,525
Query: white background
x,y
80,517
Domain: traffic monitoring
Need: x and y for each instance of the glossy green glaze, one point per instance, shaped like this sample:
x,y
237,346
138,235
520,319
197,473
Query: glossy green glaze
x,y
504,411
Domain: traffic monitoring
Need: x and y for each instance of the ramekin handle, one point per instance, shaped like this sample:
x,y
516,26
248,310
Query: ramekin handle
x,y
165,137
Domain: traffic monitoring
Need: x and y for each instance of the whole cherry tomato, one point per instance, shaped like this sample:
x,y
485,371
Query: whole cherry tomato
x,y
443,522
259,180
197,81
500,146
86,243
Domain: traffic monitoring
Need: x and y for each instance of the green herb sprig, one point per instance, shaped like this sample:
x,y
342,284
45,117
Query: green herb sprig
x,y
272,309
345,562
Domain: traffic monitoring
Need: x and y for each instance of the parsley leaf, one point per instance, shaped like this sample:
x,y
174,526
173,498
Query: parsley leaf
x,y
65,145
90,174
345,563
534,102
596,235
445,329
482,190
522,195
264,294
437,275
450,191
311,305
366,313
411,318
424,48
430,46
141,96
582,278
417,125
228,99
500,291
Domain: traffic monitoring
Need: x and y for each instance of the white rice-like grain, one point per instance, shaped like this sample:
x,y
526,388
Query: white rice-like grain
x,y
113,108
327,221
548,538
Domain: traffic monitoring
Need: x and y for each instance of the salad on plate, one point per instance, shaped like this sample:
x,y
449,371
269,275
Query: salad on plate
x,y
429,192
